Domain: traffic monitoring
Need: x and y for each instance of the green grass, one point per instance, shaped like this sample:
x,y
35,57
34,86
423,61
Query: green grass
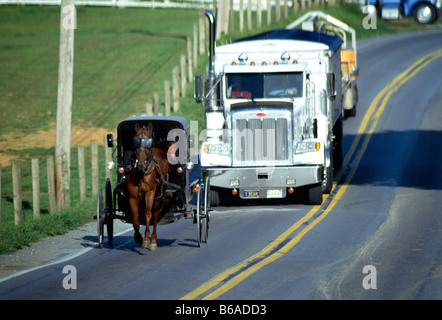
x,y
16,237
122,57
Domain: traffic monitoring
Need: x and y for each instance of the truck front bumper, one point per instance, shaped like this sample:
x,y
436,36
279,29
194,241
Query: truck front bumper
x,y
264,182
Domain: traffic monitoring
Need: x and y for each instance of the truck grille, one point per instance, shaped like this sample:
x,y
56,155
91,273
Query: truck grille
x,y
261,141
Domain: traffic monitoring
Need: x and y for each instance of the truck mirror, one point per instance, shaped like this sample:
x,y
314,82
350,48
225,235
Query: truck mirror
x,y
355,70
331,90
198,88
110,140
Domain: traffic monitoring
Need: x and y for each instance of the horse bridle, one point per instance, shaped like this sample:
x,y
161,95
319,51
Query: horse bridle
x,y
140,145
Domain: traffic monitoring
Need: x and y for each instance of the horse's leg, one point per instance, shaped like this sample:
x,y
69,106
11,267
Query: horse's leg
x,y
148,214
133,202
156,214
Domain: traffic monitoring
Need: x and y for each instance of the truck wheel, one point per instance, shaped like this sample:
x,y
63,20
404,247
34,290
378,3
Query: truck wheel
x,y
214,198
328,184
338,153
315,194
354,93
424,13
352,112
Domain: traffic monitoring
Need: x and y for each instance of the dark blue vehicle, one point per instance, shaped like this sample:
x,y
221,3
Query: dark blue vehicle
x,y
423,11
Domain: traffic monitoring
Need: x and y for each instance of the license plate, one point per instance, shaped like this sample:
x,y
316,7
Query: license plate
x,y
251,193
274,193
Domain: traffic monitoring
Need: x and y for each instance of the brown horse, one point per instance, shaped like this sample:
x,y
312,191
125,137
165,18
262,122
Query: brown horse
x,y
146,180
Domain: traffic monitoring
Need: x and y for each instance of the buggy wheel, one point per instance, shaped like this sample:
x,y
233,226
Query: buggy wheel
x,y
100,218
109,212
198,216
206,208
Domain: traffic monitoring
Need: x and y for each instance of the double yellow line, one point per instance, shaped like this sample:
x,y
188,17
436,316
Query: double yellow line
x,y
228,279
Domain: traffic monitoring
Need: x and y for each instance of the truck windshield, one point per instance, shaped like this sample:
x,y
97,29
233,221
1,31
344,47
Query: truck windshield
x,y
264,85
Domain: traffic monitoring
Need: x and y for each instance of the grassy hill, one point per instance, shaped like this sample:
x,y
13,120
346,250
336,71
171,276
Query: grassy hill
x,y
121,57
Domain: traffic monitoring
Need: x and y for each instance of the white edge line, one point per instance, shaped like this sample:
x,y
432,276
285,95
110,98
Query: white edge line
x,y
69,257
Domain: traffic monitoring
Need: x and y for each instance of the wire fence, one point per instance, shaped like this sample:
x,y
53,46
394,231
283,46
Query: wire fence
x,y
191,4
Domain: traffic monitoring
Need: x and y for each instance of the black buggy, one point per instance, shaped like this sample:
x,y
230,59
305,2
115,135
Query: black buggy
x,y
179,192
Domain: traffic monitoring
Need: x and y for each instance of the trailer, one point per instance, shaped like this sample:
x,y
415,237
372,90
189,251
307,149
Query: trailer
x,y
319,21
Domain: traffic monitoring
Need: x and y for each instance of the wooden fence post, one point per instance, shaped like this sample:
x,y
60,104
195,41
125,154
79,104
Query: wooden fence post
x,y
81,173
195,46
286,8
51,183
202,31
183,75
35,188
231,18
167,97
249,14
189,60
278,10
16,191
222,18
156,104
241,15
149,110
176,89
94,155
269,13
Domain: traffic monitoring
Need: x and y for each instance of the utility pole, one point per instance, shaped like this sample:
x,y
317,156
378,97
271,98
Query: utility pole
x,y
64,102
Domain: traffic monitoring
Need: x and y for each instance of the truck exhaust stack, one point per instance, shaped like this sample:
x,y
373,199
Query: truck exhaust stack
x,y
212,30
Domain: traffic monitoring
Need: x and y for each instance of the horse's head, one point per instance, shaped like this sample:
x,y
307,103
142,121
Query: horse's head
x,y
143,143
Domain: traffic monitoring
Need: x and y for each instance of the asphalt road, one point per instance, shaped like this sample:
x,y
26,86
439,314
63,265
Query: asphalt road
x,y
377,236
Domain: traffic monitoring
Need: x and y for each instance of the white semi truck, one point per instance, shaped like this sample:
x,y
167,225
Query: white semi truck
x,y
273,114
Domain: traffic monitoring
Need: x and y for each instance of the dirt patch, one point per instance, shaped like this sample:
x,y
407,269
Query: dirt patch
x,y
80,136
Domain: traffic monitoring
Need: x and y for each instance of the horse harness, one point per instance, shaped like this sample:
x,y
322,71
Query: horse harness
x,y
152,163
